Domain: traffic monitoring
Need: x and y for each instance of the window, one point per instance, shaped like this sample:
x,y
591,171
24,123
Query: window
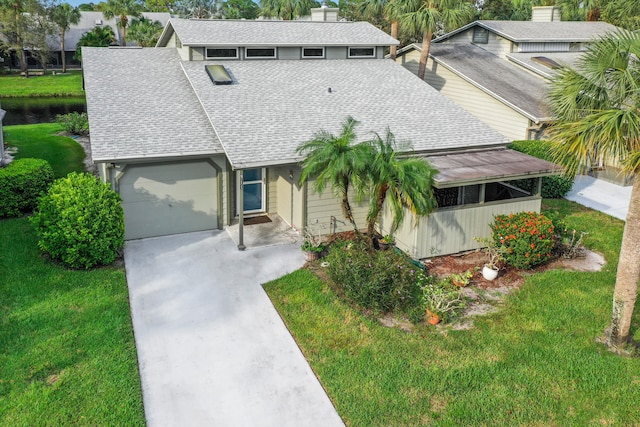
x,y
480,35
261,52
457,196
509,189
222,53
362,52
313,52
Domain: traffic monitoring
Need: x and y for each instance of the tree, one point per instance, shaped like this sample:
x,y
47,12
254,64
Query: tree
x,y
145,31
97,37
240,9
122,9
199,9
287,9
623,13
427,16
18,26
159,5
337,161
401,181
63,15
598,116
389,9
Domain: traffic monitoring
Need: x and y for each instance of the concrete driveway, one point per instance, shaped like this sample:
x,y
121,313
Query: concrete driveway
x,y
212,349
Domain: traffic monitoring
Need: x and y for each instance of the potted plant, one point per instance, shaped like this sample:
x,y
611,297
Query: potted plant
x,y
312,249
440,300
386,242
461,279
494,256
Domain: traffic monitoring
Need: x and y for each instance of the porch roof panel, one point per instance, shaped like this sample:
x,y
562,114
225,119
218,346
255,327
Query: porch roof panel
x,y
480,166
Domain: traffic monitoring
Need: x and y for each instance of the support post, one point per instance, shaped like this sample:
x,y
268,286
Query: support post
x,y
241,246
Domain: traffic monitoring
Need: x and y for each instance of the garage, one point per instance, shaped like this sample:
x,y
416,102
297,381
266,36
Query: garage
x,y
169,198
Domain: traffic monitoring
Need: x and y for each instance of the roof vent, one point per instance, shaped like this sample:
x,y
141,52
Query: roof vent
x,y
98,21
218,75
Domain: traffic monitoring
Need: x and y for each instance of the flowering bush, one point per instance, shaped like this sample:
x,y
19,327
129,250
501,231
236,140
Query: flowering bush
x,y
526,238
381,281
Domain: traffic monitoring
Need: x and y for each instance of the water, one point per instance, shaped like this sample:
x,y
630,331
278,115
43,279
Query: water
x,y
23,111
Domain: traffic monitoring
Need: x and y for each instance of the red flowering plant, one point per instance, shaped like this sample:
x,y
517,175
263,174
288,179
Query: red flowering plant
x,y
526,239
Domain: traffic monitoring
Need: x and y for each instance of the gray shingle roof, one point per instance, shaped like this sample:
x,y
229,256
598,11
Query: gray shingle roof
x,y
507,82
140,104
276,33
528,31
273,106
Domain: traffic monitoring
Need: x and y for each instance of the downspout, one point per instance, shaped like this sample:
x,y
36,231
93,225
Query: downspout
x,y
241,246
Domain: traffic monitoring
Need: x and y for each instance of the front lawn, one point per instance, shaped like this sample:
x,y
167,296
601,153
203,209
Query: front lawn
x,y
42,142
534,362
67,353
69,84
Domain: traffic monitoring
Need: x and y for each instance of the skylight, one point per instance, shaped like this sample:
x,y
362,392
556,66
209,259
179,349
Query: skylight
x,y
218,75
547,62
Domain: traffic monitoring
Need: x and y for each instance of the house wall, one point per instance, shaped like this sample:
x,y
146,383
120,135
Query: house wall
x,y
325,212
496,44
272,190
290,200
172,40
289,53
494,113
451,231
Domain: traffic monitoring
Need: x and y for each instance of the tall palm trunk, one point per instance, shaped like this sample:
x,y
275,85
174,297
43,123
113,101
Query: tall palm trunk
x,y
380,198
424,55
394,33
64,57
626,289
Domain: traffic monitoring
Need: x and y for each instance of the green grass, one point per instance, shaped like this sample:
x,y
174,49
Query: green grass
x,y
67,353
14,85
40,141
534,362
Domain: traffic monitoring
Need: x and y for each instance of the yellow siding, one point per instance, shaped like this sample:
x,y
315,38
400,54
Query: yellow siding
x,y
321,210
272,190
452,230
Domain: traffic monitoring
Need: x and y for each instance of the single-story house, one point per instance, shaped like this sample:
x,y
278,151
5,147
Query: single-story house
x,y
201,131
498,70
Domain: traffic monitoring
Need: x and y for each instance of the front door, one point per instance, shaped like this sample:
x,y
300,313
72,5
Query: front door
x,y
253,187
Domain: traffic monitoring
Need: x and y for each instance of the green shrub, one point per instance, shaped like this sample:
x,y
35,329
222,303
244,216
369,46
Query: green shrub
x,y
75,123
555,186
526,239
80,222
382,281
22,182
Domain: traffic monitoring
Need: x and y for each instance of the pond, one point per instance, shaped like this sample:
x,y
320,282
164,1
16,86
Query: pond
x,y
23,111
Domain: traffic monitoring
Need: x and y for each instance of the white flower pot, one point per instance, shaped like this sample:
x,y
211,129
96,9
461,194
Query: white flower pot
x,y
489,273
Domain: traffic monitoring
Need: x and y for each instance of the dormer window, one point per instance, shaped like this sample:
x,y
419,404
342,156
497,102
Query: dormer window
x,y
228,53
362,52
260,53
313,52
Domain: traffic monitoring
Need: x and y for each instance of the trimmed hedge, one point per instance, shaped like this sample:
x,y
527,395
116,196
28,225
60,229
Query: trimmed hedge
x,y
555,186
80,221
22,182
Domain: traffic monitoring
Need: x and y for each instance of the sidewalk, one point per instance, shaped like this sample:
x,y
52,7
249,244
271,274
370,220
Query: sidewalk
x,y
601,195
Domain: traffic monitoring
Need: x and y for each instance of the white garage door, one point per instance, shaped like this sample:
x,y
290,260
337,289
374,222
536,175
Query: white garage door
x,y
161,199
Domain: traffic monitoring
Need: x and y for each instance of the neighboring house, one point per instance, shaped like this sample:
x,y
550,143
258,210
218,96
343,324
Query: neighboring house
x,y
201,131
497,70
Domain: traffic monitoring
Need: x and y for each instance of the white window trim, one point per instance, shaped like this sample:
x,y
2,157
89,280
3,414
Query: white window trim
x,y
221,57
275,53
361,56
313,57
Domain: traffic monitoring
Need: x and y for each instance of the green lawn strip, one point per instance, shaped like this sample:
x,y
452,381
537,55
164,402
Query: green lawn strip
x,y
42,142
67,353
69,84
534,362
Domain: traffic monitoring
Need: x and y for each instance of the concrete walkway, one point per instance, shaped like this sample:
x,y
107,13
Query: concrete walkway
x,y
212,349
601,195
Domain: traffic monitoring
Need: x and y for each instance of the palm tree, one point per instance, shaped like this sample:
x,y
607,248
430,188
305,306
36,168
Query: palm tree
x,y
287,9
63,15
122,9
404,182
390,9
338,161
199,9
97,37
427,16
145,31
597,106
